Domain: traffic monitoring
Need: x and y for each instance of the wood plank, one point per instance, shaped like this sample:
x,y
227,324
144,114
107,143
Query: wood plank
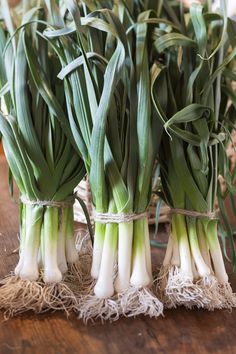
x,y
180,331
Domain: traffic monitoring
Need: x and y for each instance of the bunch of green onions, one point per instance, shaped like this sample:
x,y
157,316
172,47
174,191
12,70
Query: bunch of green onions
x,y
106,88
46,168
192,72
106,72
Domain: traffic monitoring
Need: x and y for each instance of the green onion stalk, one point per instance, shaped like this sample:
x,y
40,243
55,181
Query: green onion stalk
x,y
46,168
194,112
106,73
228,180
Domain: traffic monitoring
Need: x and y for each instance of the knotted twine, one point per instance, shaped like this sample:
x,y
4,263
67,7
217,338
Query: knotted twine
x,y
52,203
107,218
61,204
211,215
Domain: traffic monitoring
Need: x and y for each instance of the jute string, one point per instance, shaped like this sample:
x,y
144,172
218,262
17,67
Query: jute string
x,y
212,215
107,218
52,203
69,202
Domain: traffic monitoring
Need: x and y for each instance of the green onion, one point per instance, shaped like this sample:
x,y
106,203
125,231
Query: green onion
x,y
43,162
107,83
105,88
192,155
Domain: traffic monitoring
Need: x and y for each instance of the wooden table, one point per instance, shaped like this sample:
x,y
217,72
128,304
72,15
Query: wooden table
x,y
180,331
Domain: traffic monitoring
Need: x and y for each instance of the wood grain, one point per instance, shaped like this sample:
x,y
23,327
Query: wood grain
x,y
180,331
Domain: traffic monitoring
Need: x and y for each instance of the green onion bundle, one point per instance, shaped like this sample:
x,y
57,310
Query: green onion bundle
x,y
46,168
228,180
106,71
194,111
108,88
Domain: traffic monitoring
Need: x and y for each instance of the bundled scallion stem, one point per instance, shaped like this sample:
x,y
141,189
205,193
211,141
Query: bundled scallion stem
x,y
106,72
46,168
192,156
